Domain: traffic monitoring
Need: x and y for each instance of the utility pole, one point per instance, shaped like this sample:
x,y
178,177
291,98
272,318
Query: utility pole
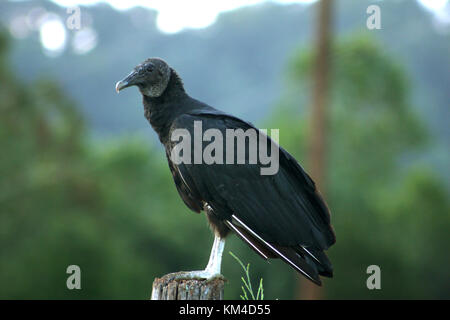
x,y
317,144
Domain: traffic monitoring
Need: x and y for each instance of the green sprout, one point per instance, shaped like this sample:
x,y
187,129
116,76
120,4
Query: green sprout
x,y
247,287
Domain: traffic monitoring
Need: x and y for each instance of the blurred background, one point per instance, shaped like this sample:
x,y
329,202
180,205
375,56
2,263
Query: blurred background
x,y
84,181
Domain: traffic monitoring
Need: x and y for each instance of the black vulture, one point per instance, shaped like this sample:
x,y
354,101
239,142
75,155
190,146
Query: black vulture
x,y
279,215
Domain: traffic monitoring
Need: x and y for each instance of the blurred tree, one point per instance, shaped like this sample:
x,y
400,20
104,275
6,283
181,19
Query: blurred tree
x,y
64,201
384,201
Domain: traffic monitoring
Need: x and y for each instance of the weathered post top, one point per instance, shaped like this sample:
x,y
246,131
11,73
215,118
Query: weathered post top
x,y
164,289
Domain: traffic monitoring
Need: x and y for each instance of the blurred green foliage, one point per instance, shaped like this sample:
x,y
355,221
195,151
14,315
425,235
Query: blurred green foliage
x,y
388,207
111,206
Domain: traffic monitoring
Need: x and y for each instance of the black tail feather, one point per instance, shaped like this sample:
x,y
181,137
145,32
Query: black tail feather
x,y
297,260
319,259
299,263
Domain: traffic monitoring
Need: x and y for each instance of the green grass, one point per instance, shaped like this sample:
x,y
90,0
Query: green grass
x,y
247,288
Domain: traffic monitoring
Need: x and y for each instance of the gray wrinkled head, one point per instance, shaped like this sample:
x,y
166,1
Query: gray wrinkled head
x,y
151,77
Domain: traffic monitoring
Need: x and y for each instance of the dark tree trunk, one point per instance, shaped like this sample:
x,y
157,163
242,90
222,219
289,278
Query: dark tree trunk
x,y
317,144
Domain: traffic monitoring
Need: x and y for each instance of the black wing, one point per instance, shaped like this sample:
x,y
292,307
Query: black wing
x,y
279,215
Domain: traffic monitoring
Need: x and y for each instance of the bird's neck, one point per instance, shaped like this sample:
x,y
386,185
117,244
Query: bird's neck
x,y
162,110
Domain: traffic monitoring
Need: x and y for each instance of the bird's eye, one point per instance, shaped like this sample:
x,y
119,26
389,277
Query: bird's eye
x,y
149,68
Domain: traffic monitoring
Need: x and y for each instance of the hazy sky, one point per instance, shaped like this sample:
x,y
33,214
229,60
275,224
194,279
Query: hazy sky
x,y
174,15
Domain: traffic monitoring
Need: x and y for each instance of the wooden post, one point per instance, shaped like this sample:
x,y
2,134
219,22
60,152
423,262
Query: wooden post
x,y
164,289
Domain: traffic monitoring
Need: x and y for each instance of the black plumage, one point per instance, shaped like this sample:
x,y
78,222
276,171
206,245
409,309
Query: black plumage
x,y
279,216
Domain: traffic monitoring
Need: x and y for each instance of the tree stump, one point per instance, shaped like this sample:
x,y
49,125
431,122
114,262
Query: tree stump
x,y
166,289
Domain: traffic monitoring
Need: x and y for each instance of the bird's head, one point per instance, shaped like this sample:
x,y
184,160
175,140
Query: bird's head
x,y
151,77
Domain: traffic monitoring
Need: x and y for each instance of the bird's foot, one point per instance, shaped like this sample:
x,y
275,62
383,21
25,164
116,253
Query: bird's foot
x,y
192,275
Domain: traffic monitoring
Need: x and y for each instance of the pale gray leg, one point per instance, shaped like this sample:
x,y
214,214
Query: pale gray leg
x,y
212,270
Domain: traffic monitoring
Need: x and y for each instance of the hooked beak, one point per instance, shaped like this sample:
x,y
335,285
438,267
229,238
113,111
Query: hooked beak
x,y
127,82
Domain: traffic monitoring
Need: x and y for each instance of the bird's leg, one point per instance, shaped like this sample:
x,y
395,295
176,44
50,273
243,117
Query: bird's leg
x,y
215,258
212,270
